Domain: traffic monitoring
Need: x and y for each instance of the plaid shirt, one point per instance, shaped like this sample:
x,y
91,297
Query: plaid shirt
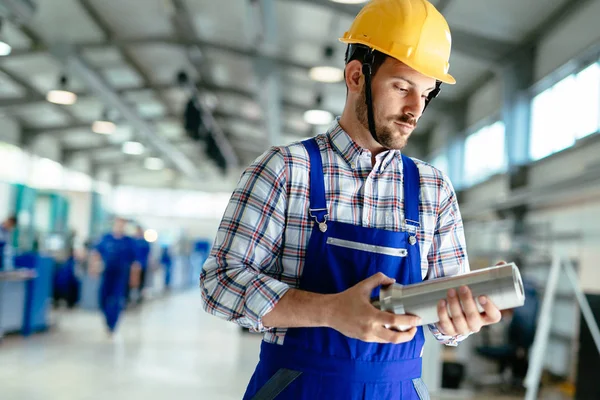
x,y
260,247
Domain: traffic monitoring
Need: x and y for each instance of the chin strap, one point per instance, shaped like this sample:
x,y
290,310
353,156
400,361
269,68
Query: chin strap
x,y
434,93
367,72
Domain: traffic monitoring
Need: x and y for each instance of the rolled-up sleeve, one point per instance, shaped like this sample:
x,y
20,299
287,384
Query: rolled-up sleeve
x,y
235,281
448,253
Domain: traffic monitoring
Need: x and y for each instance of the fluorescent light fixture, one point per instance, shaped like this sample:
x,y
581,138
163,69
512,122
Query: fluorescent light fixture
x,y
151,235
318,117
103,127
349,1
154,163
5,48
133,148
63,97
326,74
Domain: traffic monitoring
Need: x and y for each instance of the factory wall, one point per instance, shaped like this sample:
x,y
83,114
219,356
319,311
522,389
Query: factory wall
x,y
567,218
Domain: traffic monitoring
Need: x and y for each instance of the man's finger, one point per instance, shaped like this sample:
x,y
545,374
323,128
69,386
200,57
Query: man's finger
x,y
470,310
376,280
492,314
456,312
445,323
386,318
393,336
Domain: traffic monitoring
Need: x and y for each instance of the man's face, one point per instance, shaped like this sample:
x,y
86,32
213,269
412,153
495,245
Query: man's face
x,y
399,94
119,226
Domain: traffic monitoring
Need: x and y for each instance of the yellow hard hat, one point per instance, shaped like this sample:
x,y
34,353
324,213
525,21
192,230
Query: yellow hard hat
x,y
411,31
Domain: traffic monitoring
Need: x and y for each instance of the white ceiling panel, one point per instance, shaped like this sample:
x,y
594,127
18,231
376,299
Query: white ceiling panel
x,y
9,89
229,69
41,115
122,77
309,23
161,61
511,20
88,109
41,71
12,35
81,139
151,109
103,57
135,18
64,21
223,21
177,98
171,129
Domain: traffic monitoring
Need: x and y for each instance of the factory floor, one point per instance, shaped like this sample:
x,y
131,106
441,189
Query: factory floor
x,y
166,349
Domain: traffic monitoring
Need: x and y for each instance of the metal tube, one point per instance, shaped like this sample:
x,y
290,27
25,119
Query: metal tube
x,y
502,284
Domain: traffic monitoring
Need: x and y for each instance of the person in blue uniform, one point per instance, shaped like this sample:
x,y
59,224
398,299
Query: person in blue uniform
x,y
117,252
5,230
165,260
142,251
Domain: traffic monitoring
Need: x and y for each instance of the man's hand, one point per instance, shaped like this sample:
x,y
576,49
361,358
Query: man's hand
x,y
465,319
353,315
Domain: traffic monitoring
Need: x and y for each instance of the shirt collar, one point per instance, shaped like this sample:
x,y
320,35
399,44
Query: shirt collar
x,y
349,150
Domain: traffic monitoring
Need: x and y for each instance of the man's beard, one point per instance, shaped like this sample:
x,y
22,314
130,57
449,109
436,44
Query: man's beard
x,y
384,135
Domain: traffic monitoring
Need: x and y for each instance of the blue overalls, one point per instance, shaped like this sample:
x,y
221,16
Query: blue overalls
x,y
324,364
118,254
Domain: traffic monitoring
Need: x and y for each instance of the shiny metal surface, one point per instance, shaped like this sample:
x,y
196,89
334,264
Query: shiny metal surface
x,y
502,284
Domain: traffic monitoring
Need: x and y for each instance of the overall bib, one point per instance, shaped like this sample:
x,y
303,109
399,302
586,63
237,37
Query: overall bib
x,y
321,363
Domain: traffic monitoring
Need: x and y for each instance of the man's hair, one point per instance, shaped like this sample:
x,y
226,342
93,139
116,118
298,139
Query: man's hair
x,y
13,219
359,52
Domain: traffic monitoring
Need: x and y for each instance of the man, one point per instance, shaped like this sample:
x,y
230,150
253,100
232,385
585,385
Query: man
x,y
6,229
315,229
142,251
117,253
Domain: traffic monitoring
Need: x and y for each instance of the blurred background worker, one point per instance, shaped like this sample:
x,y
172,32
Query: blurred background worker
x,y
166,261
142,254
5,230
117,253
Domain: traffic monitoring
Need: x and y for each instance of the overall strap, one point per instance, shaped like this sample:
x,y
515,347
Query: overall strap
x,y
318,203
412,191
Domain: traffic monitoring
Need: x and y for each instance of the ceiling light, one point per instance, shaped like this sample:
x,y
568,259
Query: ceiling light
x,y
154,163
133,148
318,117
151,235
5,48
63,97
103,127
326,74
349,1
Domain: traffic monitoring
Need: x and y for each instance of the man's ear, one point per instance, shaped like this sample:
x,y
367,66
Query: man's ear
x,y
354,76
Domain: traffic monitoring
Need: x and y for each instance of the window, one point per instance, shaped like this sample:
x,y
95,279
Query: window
x,y
484,153
567,111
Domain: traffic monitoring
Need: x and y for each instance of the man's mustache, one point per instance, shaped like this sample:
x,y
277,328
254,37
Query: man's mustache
x,y
407,119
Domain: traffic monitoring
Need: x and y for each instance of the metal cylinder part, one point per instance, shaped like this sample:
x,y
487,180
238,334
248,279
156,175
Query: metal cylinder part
x,y
501,284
